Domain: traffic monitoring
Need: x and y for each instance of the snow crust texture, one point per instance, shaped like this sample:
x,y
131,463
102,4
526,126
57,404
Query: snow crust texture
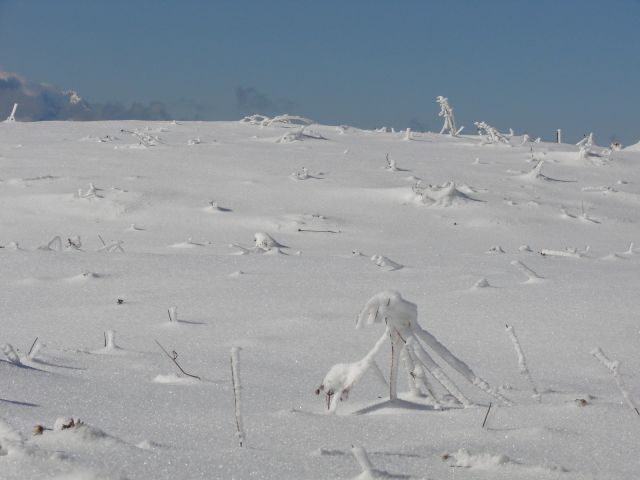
x,y
108,230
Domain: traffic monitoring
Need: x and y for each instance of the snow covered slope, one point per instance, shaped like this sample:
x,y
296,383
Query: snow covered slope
x,y
250,232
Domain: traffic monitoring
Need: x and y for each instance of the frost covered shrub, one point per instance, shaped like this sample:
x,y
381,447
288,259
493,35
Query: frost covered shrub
x,y
408,337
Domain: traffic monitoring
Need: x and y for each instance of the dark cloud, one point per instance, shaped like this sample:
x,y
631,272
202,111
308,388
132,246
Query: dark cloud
x,y
250,100
39,101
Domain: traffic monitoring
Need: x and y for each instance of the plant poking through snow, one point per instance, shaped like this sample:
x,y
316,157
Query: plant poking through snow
x,y
532,277
237,387
491,134
446,111
391,164
522,362
263,243
404,331
144,138
173,356
613,366
92,192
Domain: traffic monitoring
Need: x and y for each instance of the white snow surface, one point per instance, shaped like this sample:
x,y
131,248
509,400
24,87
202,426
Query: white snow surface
x,y
293,312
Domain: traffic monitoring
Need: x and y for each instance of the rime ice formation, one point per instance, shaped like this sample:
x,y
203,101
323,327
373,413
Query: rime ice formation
x,y
446,111
404,331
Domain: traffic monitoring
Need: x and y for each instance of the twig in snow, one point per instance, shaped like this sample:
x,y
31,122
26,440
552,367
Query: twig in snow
x,y
103,242
522,362
486,415
533,277
173,356
319,231
613,366
31,349
235,379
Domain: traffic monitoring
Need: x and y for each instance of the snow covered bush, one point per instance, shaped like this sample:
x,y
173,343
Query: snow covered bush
x,y
445,195
446,111
409,341
491,135
285,120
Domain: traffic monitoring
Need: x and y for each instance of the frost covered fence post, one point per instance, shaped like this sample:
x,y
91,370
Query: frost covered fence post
x,y
558,136
613,366
110,339
522,362
237,386
12,118
173,314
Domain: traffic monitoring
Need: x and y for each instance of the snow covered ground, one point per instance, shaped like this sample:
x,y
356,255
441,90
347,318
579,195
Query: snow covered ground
x,y
175,204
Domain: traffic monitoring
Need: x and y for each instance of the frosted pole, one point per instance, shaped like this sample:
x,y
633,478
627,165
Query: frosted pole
x,y
522,362
613,366
558,136
12,117
235,378
111,339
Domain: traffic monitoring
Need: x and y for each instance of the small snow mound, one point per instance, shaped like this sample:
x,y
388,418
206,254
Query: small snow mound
x,y
265,241
236,274
327,452
189,244
83,277
386,263
484,461
496,249
524,248
445,195
148,445
482,283
175,379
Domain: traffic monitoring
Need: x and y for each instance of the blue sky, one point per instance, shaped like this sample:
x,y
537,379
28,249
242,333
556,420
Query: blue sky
x,y
530,65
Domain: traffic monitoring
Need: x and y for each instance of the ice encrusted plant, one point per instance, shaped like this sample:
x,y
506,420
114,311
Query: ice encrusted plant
x,y
613,366
446,111
237,387
522,362
406,335
491,135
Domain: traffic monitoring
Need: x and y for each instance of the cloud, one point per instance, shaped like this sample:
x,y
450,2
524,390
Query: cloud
x,y
250,100
40,101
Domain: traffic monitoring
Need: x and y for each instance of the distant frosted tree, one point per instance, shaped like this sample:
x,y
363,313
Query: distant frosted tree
x,y
446,111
